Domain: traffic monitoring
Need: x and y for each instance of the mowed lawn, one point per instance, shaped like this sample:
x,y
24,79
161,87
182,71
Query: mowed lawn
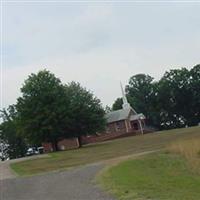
x,y
157,176
103,151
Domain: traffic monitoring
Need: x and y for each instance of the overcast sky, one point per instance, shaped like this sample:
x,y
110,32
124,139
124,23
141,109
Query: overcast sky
x,y
97,44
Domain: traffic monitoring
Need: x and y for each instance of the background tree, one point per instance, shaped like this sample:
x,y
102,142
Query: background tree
x,y
139,92
193,117
179,97
14,145
171,102
117,104
107,109
43,109
86,116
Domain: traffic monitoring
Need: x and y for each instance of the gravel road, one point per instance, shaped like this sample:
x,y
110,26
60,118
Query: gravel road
x,y
75,184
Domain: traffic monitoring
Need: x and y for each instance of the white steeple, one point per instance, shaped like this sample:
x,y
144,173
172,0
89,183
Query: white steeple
x,y
125,104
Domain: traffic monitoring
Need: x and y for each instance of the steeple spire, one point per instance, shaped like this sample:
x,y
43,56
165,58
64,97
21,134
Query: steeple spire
x,y
125,104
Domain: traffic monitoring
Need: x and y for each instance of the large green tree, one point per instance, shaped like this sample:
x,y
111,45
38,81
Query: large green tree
x,y
86,114
14,145
179,97
43,109
49,111
139,92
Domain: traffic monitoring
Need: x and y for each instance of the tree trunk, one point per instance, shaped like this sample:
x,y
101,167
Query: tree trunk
x,y
55,145
80,141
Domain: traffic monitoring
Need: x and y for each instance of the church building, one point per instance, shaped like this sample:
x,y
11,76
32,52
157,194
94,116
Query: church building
x,y
125,120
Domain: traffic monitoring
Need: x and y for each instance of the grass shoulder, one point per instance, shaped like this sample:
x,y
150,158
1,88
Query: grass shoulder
x,y
160,176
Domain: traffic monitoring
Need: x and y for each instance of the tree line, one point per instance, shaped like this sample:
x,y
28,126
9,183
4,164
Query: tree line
x,y
49,110
171,102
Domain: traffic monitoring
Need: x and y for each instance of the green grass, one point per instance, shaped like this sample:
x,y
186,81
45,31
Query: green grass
x,y
102,151
157,176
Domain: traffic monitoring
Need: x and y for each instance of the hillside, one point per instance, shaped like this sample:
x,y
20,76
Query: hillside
x,y
175,170
103,151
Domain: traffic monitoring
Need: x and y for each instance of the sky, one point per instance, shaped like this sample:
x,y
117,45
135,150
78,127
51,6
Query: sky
x,y
97,44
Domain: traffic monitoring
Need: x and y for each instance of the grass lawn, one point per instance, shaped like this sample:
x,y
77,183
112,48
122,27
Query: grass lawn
x,y
102,151
157,176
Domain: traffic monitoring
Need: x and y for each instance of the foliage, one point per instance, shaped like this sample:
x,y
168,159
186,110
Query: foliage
x,y
141,95
107,109
193,116
171,102
14,144
42,109
140,90
179,98
49,110
86,114
117,104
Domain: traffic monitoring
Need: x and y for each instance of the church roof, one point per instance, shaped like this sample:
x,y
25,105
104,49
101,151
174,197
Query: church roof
x,y
118,115
137,116
122,114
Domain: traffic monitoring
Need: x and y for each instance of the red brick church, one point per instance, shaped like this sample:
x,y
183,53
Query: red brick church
x,y
126,119
120,123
